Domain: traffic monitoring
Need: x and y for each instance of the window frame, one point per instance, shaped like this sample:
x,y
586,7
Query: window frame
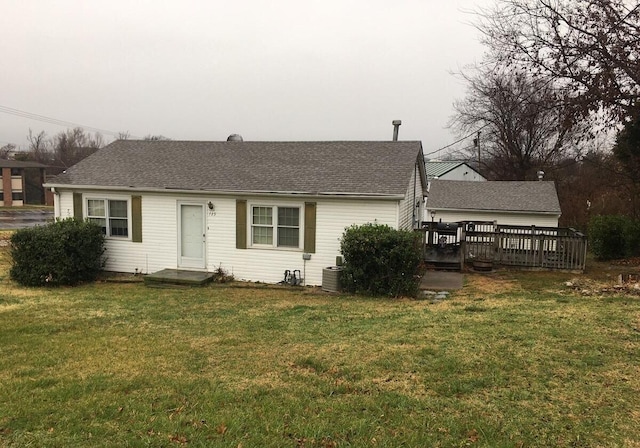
x,y
107,215
275,226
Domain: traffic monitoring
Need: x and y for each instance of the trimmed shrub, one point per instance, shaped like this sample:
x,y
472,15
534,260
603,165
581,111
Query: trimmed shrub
x,y
632,235
379,260
64,252
612,237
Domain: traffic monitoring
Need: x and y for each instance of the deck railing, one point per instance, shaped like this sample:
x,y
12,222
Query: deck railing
x,y
518,246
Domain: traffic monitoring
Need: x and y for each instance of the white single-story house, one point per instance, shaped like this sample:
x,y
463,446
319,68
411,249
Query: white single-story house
x,y
254,209
522,203
451,170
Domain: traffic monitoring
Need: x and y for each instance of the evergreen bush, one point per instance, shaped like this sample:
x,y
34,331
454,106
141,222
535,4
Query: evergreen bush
x,y
613,237
64,252
632,236
379,260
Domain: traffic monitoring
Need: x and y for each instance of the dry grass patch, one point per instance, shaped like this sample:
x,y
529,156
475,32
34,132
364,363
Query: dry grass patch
x,y
489,284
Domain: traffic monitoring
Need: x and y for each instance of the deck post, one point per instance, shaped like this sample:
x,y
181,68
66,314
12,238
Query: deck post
x,y
463,244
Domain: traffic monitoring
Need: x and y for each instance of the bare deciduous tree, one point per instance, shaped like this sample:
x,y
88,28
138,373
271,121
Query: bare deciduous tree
x,y
63,149
590,47
73,145
525,125
153,138
6,150
39,147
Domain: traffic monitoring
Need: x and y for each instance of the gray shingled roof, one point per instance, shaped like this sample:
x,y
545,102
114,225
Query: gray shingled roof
x,y
378,168
6,163
521,196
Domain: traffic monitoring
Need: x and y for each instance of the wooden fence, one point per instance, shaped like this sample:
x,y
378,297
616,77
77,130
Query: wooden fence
x,y
518,246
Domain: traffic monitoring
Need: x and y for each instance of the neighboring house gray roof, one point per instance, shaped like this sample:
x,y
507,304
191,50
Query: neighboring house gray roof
x,y
519,196
5,163
347,167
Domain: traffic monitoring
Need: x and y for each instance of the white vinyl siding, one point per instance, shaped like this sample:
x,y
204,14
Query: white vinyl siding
x,y
463,172
64,205
332,217
514,219
159,247
411,209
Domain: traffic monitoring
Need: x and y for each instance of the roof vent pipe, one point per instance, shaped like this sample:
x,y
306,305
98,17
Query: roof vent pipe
x,y
396,125
234,138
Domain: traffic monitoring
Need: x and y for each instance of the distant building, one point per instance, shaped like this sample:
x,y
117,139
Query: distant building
x,y
451,170
21,183
524,203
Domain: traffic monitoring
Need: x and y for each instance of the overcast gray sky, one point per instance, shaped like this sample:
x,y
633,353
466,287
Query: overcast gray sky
x,y
268,70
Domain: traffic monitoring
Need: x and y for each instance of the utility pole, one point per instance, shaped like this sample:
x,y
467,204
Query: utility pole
x,y
476,143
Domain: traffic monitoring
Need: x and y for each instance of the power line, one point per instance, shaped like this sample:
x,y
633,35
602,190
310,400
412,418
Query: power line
x,y
457,141
50,120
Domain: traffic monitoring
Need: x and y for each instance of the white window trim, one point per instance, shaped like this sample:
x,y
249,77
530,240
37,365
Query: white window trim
x,y
274,207
85,206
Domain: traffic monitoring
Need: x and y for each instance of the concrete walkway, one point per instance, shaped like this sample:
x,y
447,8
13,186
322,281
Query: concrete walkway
x,y
441,281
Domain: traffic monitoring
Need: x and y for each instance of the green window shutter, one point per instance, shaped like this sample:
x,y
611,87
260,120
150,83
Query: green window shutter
x,y
310,227
241,224
136,219
77,206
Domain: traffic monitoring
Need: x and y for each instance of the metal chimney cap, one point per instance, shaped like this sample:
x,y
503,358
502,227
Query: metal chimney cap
x,y
235,138
396,125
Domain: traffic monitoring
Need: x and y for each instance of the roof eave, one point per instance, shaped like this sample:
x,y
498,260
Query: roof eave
x,y
380,196
480,210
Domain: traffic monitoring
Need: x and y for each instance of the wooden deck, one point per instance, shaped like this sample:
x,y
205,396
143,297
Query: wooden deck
x,y
177,277
525,247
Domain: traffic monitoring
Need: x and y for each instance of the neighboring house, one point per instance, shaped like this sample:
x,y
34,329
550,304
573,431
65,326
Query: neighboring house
x,y
451,170
251,208
21,183
506,202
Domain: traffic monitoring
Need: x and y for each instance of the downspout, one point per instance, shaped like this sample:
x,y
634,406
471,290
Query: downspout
x,y
56,203
413,206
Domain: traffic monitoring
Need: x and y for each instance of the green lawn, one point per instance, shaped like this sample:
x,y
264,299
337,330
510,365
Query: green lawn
x,y
512,360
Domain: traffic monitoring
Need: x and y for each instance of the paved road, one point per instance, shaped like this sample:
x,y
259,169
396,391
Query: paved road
x,y
18,219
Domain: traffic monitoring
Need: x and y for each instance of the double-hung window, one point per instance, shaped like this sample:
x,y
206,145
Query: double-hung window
x,y
111,215
275,226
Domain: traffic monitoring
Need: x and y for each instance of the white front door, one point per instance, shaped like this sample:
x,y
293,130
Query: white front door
x,y
191,236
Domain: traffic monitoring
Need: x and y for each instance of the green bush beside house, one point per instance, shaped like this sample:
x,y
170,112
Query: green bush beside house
x,y
65,252
379,260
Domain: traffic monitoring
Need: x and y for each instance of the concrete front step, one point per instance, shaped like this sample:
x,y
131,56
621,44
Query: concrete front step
x,y
178,277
